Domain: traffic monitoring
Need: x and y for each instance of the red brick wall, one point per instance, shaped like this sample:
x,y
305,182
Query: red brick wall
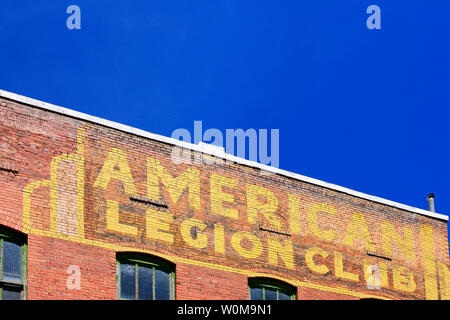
x,y
193,282
314,294
48,263
51,189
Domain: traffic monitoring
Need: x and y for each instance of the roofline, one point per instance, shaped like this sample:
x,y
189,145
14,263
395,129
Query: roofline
x,y
217,153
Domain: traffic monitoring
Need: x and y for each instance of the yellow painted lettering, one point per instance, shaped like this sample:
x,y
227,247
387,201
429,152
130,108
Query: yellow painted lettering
x,y
369,273
328,235
236,243
196,240
403,279
284,250
112,219
429,266
406,243
116,167
158,225
218,196
267,208
189,179
444,281
357,229
312,265
339,271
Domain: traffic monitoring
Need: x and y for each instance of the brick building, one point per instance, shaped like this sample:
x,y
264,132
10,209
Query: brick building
x,y
92,209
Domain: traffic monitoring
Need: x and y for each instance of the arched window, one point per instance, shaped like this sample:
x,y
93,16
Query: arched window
x,y
13,264
270,289
144,277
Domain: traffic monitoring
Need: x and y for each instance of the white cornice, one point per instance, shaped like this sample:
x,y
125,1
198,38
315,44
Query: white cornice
x,y
212,151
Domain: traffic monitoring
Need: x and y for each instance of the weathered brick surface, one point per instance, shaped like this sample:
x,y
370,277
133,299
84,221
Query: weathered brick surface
x,y
67,184
198,283
314,294
49,260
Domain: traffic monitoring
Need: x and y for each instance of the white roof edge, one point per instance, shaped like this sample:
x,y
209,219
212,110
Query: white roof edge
x,y
149,135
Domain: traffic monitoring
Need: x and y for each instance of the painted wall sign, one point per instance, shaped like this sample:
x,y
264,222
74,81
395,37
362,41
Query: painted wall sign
x,y
125,194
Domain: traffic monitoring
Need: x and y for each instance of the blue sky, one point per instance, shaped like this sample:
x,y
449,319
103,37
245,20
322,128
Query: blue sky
x,y
364,109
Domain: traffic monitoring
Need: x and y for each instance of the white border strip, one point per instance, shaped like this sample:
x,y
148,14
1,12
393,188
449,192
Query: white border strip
x,y
145,134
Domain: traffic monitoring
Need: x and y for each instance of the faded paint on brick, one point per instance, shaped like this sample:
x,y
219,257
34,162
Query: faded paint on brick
x,y
72,192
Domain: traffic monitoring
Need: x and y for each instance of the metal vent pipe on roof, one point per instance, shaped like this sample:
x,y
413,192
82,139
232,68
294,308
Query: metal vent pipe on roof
x,y
430,199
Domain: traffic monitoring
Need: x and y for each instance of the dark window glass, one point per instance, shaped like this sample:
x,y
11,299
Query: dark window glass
x,y
12,268
145,285
283,296
143,277
127,281
270,289
11,263
162,285
11,293
256,294
270,294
